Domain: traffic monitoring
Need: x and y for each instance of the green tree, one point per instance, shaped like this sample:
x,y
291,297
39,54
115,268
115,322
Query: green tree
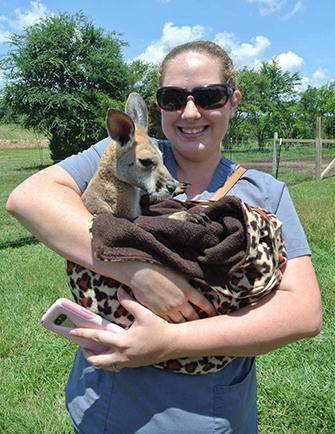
x,y
267,99
144,80
248,83
317,102
2,106
328,127
62,74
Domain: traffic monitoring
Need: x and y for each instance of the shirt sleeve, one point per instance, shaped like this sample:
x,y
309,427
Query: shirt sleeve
x,y
83,165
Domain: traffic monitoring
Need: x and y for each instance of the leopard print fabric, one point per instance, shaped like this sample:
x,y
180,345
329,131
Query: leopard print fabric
x,y
258,275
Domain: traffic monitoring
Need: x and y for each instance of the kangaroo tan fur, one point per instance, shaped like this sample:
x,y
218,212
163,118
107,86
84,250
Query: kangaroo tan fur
x,y
129,164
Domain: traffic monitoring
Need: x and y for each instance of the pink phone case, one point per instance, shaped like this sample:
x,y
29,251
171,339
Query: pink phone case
x,y
64,310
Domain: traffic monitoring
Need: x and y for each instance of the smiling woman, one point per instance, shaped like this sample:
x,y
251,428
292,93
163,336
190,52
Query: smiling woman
x,y
195,131
104,387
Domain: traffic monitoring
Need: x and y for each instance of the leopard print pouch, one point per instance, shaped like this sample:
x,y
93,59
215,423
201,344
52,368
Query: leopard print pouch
x,y
255,274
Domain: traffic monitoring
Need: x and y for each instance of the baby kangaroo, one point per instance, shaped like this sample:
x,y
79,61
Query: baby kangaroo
x,y
131,163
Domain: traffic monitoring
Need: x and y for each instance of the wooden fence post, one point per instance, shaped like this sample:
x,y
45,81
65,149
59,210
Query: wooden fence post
x,y
274,155
318,144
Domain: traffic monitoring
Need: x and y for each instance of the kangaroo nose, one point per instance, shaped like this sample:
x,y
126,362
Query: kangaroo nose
x,y
171,187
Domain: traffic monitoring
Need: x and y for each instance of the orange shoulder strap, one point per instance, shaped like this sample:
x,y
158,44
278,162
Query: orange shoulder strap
x,y
220,192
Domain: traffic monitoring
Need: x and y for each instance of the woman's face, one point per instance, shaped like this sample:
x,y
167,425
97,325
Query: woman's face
x,y
195,133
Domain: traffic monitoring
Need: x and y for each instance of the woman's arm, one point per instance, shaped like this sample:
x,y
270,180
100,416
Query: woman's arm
x,y
290,313
49,205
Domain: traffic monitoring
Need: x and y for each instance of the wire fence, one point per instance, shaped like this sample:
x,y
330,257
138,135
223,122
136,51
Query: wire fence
x,y
295,161
295,158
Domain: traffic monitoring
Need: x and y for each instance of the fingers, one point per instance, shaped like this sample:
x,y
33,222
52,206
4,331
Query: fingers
x,y
130,304
196,298
103,360
182,314
189,313
136,309
176,317
104,337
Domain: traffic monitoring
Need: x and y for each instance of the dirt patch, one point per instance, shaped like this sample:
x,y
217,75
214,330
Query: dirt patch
x,y
20,144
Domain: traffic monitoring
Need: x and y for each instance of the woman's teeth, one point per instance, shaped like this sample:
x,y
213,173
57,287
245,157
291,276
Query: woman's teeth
x,y
192,130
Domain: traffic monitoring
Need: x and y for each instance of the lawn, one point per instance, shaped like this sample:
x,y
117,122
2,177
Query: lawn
x,y
15,166
296,383
14,133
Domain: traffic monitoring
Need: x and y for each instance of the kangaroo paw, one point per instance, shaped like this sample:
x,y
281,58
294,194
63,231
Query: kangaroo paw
x,y
200,218
180,188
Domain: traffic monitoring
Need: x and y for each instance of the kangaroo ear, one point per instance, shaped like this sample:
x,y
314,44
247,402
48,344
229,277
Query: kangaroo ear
x,y
137,110
120,127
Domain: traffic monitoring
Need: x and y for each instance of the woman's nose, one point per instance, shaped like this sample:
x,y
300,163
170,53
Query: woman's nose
x,y
190,111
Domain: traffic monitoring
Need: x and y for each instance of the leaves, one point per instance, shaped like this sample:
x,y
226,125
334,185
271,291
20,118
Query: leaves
x,y
61,73
267,97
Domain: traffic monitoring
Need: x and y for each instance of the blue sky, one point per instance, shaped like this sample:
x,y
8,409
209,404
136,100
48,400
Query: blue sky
x,y
299,33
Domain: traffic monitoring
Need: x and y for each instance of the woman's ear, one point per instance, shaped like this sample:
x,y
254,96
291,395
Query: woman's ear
x,y
234,102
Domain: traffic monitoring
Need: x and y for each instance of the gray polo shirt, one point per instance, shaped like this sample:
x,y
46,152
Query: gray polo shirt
x,y
156,400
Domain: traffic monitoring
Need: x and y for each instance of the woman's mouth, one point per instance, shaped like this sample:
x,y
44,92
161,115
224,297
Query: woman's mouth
x,y
192,131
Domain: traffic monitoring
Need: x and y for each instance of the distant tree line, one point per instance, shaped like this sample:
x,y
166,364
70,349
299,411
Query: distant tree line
x,y
63,73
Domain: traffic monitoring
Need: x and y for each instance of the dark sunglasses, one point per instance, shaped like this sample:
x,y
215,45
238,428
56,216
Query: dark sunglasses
x,y
210,96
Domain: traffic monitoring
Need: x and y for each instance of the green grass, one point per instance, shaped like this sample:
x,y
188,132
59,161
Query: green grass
x,y
296,383
293,178
15,166
14,133
34,363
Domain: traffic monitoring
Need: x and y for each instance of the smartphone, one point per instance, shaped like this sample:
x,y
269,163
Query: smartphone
x,y
65,315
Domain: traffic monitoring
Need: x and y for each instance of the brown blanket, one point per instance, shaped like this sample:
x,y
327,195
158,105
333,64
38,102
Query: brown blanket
x,y
241,248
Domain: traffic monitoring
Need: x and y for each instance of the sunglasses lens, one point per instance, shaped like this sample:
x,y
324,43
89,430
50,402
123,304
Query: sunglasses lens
x,y
211,96
169,98
206,97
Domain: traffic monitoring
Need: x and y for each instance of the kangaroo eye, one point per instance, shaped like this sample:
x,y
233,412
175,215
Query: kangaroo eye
x,y
147,162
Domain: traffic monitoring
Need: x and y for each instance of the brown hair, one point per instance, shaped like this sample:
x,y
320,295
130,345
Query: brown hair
x,y
209,48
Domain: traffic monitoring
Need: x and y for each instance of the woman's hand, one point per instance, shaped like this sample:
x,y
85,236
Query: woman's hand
x,y
166,293
290,313
146,342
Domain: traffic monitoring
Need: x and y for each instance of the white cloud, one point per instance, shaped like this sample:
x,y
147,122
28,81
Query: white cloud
x,y
289,61
163,1
297,7
319,78
267,7
23,17
3,34
171,37
243,54
305,81
320,75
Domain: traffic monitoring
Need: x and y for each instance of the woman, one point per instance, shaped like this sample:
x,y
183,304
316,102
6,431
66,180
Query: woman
x,y
146,399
